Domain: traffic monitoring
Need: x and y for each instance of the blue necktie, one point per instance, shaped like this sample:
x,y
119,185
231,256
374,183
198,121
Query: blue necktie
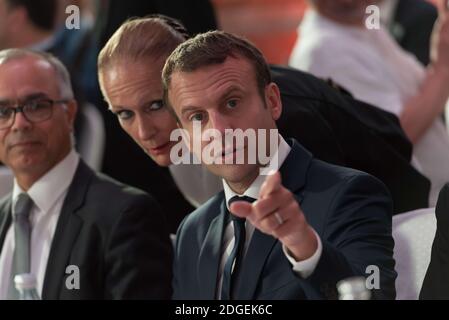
x,y
233,263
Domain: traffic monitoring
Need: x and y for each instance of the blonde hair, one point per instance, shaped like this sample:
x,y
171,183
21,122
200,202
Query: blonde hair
x,y
140,39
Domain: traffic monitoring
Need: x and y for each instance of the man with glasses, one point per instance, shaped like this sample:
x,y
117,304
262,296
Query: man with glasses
x,y
81,234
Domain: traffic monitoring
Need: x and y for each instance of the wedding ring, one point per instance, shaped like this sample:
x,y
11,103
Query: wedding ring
x,y
278,218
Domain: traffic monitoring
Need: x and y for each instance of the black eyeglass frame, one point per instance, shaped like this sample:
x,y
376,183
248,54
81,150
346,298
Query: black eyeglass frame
x,y
21,108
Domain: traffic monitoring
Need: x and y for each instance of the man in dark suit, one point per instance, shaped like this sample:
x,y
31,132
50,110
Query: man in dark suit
x,y
329,123
81,234
436,281
293,234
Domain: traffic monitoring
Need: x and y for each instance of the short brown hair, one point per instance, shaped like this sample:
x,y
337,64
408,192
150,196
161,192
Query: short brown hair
x,y
137,39
211,48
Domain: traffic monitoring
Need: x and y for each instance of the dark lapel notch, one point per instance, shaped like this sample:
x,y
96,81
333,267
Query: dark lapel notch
x,y
66,233
293,173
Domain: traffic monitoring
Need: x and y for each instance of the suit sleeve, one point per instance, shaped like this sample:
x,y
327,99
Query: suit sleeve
x,y
139,255
357,238
436,281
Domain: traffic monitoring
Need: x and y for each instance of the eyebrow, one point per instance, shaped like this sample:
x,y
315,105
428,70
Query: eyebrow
x,y
31,96
112,108
229,91
36,95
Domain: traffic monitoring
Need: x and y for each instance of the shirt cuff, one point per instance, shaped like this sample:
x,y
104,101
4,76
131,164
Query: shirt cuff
x,y
306,267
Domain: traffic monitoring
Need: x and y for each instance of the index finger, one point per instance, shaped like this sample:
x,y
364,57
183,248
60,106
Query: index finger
x,y
271,185
443,7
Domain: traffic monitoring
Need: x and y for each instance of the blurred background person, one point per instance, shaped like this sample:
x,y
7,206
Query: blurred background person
x,y
375,69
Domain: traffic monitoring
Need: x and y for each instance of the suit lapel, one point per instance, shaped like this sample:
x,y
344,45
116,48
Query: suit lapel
x,y
210,255
258,251
293,172
5,219
66,233
295,167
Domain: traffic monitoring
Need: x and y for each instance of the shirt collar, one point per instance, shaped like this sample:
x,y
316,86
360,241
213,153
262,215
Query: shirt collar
x,y
253,190
47,190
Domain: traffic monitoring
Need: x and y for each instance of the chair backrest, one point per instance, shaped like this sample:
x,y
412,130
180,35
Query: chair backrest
x,y
6,181
446,116
91,140
413,233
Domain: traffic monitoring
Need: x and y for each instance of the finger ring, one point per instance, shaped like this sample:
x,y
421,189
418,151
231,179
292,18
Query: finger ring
x,y
278,218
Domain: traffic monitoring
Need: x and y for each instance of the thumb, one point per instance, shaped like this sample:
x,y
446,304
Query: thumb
x,y
443,7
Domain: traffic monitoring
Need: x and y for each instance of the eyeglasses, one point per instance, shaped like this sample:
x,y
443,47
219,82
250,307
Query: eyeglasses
x,y
34,111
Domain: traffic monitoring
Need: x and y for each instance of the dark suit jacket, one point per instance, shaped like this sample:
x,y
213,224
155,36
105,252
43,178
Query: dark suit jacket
x,y
350,210
412,27
115,234
341,130
436,281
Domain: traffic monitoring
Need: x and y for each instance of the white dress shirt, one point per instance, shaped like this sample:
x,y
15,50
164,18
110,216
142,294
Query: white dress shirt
x,y
48,194
303,268
375,69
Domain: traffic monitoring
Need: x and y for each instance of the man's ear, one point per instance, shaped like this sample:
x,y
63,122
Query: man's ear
x,y
273,100
71,110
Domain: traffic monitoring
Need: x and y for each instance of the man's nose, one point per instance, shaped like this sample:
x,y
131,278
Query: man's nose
x,y
20,122
218,122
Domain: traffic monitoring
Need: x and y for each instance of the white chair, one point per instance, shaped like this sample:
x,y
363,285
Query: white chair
x,y
91,140
446,116
6,181
413,233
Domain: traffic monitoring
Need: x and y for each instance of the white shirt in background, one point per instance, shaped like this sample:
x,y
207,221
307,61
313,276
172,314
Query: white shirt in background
x,y
373,67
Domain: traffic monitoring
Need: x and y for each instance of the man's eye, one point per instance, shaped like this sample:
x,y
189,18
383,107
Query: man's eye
x,y
124,114
232,103
37,106
196,117
5,112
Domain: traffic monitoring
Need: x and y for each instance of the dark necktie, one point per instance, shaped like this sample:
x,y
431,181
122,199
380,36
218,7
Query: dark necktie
x,y
234,260
22,232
